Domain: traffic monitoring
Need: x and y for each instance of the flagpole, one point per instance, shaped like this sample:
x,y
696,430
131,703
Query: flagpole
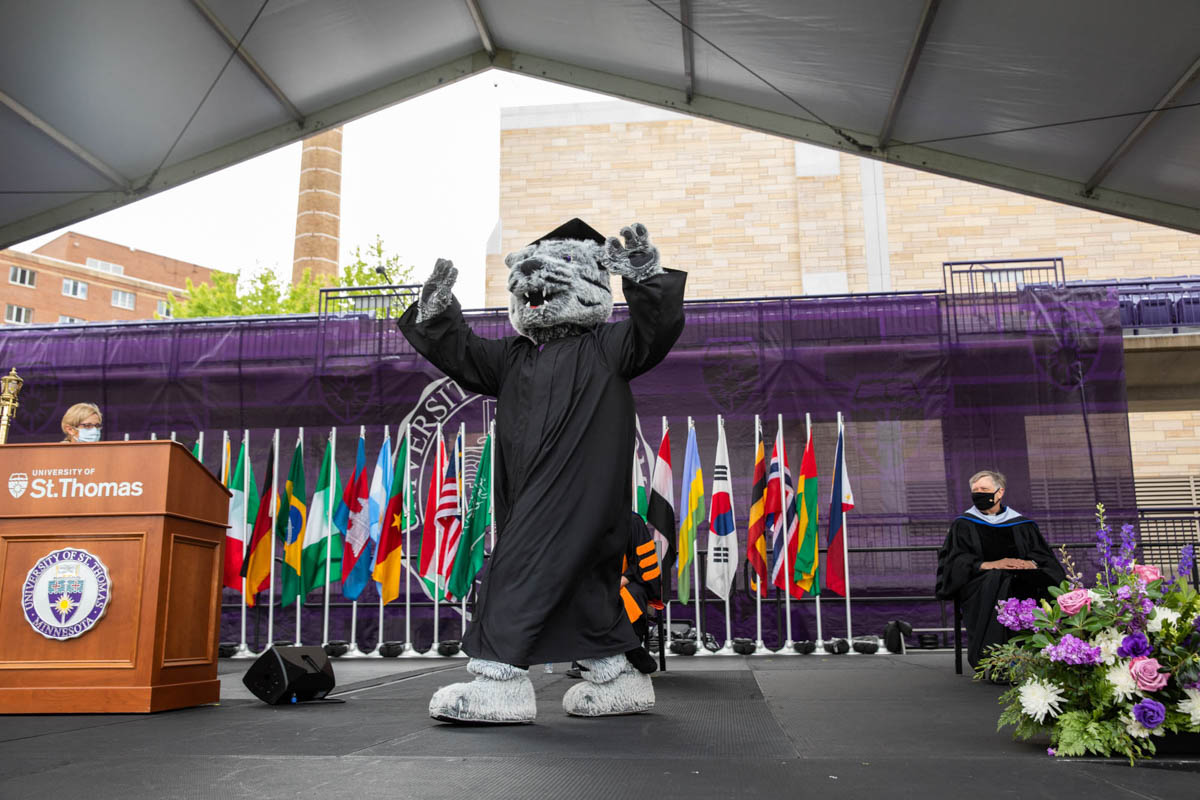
x,y
300,594
664,647
727,648
271,536
462,491
789,575
816,547
200,447
701,650
352,651
329,490
437,545
243,649
760,646
845,537
407,651
387,437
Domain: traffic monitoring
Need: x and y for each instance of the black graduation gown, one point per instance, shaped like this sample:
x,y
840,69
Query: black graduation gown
x,y
564,461
644,574
969,543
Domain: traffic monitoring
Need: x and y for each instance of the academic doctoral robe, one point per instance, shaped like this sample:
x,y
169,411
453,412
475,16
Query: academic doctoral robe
x,y
564,461
972,541
644,574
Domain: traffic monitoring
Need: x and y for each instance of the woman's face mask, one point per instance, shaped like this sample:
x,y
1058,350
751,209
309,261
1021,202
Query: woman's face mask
x,y
88,435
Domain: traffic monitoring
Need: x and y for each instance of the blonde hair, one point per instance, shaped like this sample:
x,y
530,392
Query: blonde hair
x,y
77,414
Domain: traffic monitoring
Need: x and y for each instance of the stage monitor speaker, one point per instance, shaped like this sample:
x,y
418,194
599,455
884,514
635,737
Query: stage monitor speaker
x,y
290,675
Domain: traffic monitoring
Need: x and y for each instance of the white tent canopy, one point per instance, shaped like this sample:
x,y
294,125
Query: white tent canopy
x,y
1087,102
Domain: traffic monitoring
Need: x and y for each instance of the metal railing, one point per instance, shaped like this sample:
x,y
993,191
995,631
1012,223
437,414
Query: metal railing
x,y
355,321
995,296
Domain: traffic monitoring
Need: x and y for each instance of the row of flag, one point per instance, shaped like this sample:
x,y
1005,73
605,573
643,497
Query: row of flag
x,y
777,511
354,532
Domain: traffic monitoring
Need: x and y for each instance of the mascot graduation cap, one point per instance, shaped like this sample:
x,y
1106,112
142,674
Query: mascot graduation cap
x,y
565,431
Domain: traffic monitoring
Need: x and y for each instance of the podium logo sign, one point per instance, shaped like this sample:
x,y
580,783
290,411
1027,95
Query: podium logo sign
x,y
17,482
66,593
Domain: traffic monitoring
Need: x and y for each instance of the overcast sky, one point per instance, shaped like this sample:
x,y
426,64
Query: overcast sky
x,y
423,174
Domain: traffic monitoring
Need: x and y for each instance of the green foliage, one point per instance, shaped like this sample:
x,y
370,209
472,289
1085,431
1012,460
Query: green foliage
x,y
263,293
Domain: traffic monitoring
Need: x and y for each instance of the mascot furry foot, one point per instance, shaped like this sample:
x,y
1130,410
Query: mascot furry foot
x,y
500,695
611,686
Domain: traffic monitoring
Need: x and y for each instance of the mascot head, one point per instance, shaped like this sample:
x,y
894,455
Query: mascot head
x,y
557,285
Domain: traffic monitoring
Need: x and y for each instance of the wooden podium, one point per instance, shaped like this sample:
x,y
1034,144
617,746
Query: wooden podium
x,y
110,578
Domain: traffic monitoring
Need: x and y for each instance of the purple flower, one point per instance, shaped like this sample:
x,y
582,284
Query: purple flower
x,y
1016,615
1133,646
1124,593
1050,751
1073,650
1183,570
1150,713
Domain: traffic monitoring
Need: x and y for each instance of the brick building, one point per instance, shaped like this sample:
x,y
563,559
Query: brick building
x,y
749,214
77,278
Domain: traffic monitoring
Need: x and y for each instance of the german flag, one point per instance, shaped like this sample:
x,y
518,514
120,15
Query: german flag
x,y
756,540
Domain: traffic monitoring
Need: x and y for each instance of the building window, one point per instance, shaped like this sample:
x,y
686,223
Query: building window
x,y
22,276
106,266
63,318
18,315
122,299
74,288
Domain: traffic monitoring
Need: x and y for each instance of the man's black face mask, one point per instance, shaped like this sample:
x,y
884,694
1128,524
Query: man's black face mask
x,y
983,500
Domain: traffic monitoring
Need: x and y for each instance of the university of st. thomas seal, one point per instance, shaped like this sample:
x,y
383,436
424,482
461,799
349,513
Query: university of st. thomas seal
x,y
66,593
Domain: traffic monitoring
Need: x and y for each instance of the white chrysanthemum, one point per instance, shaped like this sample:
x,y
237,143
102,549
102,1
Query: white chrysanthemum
x,y
1190,705
1039,698
1124,686
1135,728
1162,616
1097,598
1108,640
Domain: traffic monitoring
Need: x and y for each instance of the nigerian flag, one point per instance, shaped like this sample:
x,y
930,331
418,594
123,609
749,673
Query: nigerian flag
x,y
479,515
320,531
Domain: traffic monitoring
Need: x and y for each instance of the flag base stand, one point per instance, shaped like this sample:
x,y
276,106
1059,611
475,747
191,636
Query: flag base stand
x,y
726,650
354,652
788,649
409,652
243,651
760,649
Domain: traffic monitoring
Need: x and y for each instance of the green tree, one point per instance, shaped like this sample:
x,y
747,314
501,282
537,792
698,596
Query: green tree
x,y
263,293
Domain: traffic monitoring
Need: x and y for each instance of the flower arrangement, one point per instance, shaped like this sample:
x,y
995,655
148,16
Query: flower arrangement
x,y
1108,669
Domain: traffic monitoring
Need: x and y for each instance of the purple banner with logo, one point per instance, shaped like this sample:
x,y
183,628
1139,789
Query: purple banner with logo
x,y
932,389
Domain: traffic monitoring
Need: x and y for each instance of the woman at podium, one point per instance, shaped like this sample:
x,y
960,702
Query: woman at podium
x,y
82,423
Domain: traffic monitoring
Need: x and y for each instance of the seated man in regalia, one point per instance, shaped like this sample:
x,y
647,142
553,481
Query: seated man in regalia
x,y
992,553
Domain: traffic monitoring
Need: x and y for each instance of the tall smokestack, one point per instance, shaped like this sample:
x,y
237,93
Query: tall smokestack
x,y
318,212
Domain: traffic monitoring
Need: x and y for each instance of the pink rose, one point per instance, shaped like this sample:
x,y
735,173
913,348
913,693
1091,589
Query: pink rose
x,y
1145,672
1074,602
1147,573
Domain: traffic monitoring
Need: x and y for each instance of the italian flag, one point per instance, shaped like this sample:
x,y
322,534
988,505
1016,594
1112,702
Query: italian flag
x,y
320,536
241,519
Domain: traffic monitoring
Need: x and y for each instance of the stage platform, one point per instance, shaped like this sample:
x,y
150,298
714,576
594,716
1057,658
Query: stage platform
x,y
856,726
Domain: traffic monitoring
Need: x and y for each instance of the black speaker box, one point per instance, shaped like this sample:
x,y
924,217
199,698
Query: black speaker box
x,y
289,675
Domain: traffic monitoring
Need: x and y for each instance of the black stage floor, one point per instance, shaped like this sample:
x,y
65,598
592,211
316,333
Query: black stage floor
x,y
809,726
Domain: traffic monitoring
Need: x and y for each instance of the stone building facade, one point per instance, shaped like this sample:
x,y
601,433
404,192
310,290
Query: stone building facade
x,y
749,214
